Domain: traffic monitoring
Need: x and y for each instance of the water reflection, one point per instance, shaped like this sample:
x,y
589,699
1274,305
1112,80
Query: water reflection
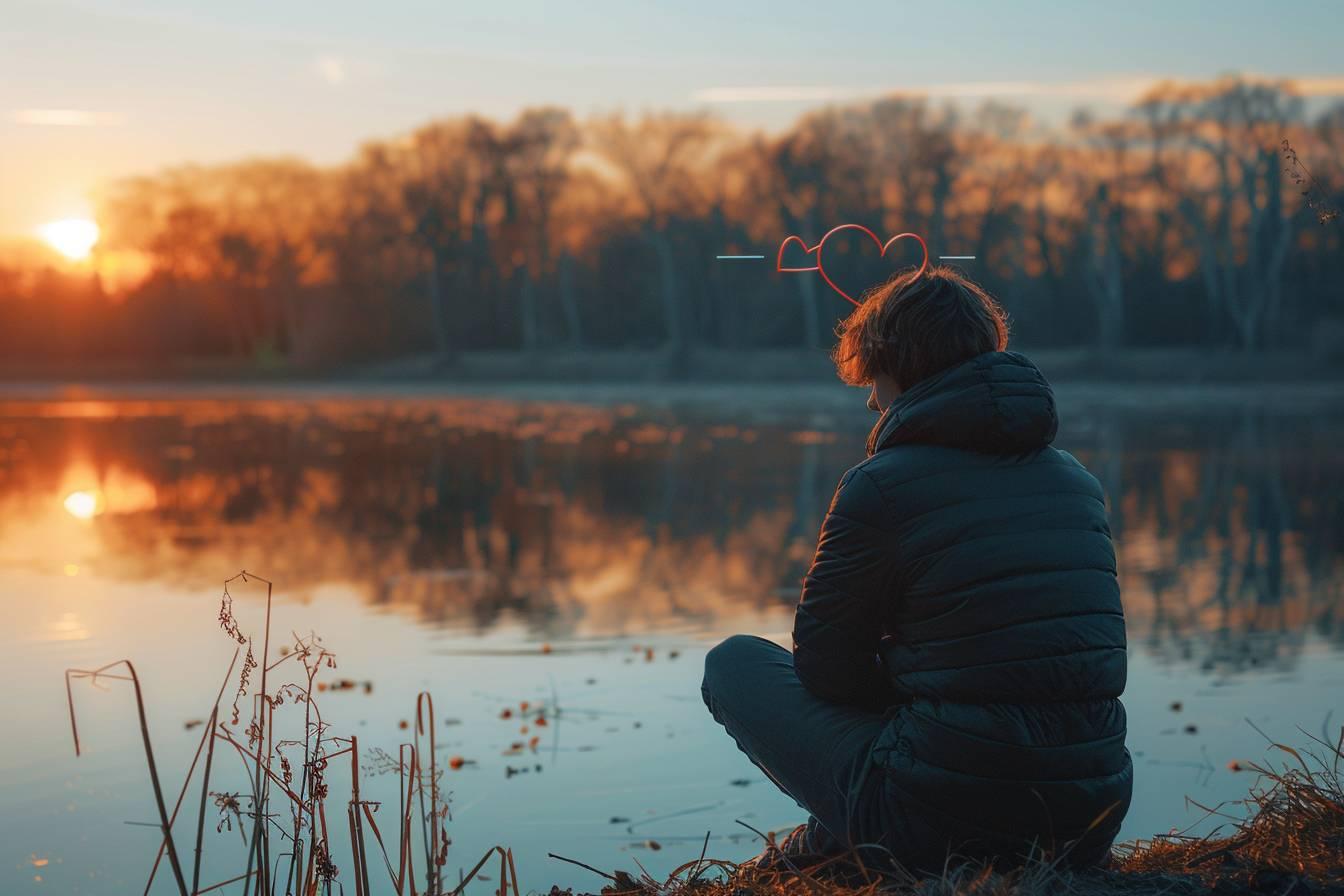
x,y
439,542
1229,536
577,520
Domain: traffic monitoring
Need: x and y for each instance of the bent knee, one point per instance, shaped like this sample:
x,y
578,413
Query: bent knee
x,y
726,659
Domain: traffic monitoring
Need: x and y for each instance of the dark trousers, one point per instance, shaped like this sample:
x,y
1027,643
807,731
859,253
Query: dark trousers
x,y
817,752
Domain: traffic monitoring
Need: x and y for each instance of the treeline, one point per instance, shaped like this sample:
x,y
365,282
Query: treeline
x,y
1189,220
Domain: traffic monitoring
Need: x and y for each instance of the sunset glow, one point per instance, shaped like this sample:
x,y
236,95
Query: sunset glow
x,y
82,505
72,237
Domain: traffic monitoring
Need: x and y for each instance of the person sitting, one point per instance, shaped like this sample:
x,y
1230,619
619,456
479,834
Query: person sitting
x,y
959,645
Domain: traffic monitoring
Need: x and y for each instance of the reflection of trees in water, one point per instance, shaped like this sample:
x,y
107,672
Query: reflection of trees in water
x,y
566,518
584,520
1228,536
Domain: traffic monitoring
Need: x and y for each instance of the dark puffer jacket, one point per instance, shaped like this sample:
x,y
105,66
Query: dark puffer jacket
x,y
965,584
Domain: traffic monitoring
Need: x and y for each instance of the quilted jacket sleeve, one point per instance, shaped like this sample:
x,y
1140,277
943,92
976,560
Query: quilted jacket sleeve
x,y
838,623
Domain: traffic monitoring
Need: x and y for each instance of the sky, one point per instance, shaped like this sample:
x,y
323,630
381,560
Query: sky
x,y
93,91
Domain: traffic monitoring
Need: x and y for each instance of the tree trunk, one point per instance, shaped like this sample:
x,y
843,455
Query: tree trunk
x,y
438,302
568,301
673,322
807,291
942,189
527,303
1104,268
807,286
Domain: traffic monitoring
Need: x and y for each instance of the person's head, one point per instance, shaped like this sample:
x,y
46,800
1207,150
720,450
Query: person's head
x,y
912,327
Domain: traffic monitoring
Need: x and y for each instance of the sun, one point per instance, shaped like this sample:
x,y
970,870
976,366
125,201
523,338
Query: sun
x,y
72,237
82,505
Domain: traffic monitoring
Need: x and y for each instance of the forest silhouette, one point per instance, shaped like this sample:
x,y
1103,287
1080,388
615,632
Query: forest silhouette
x,y
1199,217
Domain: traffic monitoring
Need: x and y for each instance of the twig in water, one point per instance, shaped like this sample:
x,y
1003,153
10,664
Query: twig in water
x,y
582,865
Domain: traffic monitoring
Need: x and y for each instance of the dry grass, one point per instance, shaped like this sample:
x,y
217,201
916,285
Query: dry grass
x,y
1286,840
286,844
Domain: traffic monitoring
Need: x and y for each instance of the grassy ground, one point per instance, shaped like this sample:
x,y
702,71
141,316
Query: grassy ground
x,y
1285,839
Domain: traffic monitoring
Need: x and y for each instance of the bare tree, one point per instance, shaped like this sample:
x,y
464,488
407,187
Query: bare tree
x,y
1104,190
544,141
660,157
437,193
1237,215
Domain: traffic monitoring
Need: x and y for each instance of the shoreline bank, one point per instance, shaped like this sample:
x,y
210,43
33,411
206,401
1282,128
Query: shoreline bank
x,y
817,397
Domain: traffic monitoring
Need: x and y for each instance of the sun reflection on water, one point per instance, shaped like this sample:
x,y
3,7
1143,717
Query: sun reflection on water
x,y
68,628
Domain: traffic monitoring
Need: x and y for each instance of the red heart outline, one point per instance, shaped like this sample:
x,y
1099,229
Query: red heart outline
x,y
779,259
834,230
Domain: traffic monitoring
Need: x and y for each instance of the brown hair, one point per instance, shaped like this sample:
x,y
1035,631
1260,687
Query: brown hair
x,y
915,325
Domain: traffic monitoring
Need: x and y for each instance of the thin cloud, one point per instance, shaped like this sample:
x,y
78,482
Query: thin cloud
x,y
1119,90
330,69
1114,88
61,118
778,94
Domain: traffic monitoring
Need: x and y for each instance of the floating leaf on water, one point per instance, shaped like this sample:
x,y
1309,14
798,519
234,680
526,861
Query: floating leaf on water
x,y
1235,766
540,721
456,763
524,705
673,654
653,844
545,648
506,713
1175,706
403,724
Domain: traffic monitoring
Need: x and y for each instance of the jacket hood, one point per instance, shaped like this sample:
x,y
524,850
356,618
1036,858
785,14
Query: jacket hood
x,y
995,403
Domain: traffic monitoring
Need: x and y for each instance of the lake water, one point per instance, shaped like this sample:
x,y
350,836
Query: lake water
x,y
579,556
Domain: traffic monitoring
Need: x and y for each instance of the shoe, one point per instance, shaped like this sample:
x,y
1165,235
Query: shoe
x,y
795,851
792,851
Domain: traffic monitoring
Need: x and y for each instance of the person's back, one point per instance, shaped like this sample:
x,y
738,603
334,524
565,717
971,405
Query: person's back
x,y
961,618
1001,621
